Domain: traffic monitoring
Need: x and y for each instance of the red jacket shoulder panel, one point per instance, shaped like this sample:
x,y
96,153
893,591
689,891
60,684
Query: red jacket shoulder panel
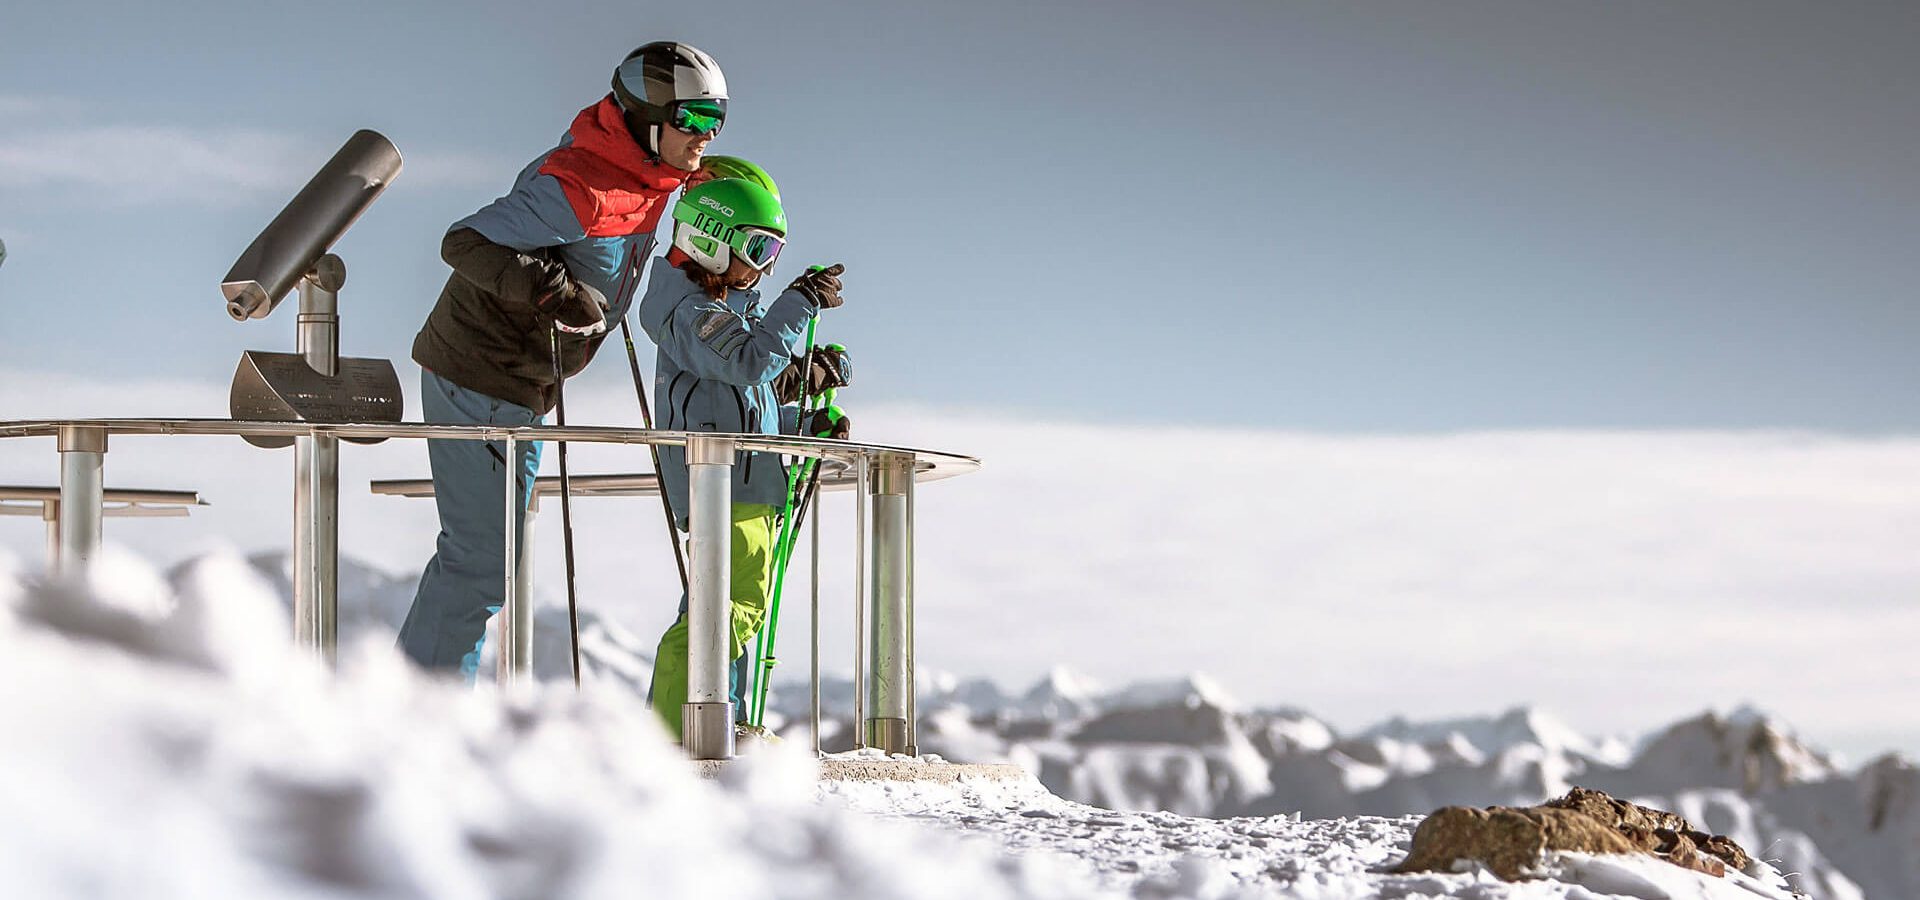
x,y
613,187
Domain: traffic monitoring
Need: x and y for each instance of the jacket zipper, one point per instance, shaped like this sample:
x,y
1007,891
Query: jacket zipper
x,y
674,386
741,402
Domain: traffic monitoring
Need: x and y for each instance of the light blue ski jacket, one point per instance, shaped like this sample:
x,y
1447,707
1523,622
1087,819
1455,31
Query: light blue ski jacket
x,y
715,372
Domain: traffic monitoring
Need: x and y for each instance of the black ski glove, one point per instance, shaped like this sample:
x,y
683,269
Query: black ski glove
x,y
822,286
829,423
580,309
831,369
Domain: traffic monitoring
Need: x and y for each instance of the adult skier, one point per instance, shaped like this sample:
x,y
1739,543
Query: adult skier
x,y
558,255
720,355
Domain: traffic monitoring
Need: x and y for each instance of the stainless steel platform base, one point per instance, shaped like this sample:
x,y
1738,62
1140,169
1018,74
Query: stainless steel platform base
x,y
889,735
707,730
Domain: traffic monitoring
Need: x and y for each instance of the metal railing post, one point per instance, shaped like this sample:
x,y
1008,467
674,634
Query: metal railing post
x,y
706,721
862,464
83,452
813,576
50,512
515,655
523,575
913,671
890,686
316,467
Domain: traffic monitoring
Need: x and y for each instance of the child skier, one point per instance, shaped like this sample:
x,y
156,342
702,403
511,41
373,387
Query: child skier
x,y
719,357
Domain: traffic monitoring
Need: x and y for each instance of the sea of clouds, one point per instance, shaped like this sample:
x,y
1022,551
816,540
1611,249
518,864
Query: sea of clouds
x,y
1356,575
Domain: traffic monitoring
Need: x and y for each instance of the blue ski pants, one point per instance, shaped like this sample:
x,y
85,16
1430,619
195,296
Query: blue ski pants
x,y
464,581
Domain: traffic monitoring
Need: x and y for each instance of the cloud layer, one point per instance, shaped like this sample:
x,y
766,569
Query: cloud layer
x,y
129,163
1617,577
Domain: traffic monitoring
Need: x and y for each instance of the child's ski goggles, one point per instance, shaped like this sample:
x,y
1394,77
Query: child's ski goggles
x,y
758,248
698,117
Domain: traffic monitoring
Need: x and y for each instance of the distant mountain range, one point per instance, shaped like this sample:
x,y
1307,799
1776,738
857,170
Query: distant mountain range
x,y
1187,746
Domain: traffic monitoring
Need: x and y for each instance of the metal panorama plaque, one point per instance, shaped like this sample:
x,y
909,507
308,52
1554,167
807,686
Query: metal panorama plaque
x,y
281,387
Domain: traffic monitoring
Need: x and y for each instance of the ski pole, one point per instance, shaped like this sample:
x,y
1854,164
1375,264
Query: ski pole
x,y
646,418
783,556
813,480
566,508
783,553
760,665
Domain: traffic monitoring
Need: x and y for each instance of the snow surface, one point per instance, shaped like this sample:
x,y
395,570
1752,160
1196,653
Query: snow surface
x,y
1842,836
165,742
1185,746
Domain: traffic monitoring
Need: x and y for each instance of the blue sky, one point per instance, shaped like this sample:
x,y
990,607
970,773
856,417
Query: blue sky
x,y
1356,217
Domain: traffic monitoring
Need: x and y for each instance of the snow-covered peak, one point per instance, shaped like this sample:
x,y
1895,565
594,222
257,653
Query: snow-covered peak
x,y
1065,693
941,690
1190,691
1288,732
1492,736
1748,751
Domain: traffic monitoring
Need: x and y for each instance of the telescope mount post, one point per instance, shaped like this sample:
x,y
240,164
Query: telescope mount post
x,y
316,463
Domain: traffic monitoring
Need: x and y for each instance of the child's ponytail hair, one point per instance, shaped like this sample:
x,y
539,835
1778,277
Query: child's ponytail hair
x,y
715,286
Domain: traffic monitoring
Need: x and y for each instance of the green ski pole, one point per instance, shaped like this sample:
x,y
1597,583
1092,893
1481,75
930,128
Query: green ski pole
x,y
760,665
783,555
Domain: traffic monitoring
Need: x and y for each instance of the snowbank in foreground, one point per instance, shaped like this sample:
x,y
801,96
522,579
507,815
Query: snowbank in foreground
x,y
168,746
164,742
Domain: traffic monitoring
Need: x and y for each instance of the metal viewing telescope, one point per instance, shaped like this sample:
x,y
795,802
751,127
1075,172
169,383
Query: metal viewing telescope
x,y
313,384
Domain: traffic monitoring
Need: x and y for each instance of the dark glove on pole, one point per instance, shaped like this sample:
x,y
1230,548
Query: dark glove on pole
x,y
831,369
830,423
822,286
578,308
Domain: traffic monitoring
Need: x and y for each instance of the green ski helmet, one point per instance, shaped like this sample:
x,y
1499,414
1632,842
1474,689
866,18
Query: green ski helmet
x,y
735,167
728,217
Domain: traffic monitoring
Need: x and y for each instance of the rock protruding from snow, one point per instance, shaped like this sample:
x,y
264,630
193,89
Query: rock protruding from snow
x,y
1659,832
1512,842
1508,841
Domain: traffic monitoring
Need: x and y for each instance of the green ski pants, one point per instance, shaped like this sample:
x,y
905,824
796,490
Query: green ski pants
x,y
752,584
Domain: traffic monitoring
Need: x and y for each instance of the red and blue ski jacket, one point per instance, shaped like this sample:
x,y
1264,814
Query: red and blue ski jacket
x,y
586,210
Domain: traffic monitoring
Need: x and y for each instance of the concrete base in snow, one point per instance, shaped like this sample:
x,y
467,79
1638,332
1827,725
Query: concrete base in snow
x,y
892,770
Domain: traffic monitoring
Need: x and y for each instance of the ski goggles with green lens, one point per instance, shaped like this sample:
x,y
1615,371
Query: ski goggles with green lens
x,y
759,248
698,117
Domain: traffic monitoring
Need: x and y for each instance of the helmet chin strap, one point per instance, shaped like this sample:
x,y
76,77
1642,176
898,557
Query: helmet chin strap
x,y
647,138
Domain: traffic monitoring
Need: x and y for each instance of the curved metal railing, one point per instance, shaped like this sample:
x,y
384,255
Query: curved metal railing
x,y
883,476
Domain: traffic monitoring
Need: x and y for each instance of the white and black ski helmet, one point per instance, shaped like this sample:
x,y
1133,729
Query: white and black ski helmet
x,y
656,76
